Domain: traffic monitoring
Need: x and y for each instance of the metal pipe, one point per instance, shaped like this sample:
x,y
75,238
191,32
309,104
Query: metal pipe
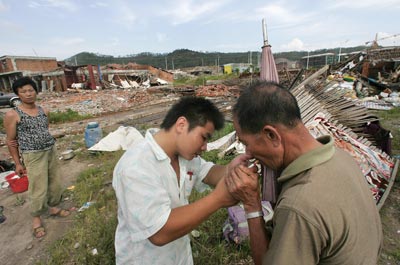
x,y
264,28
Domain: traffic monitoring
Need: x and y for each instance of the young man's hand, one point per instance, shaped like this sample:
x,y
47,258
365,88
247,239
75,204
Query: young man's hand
x,y
225,197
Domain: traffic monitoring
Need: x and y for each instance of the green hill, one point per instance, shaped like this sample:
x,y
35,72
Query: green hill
x,y
182,58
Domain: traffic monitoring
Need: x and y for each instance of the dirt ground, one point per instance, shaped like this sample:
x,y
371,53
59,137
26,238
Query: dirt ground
x,y
19,247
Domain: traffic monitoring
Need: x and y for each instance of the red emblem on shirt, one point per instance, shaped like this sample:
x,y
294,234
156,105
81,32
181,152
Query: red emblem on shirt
x,y
190,173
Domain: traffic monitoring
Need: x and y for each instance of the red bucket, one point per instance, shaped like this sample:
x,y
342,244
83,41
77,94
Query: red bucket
x,y
17,184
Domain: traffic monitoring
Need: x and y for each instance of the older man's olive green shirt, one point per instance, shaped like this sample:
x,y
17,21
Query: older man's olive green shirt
x,y
325,212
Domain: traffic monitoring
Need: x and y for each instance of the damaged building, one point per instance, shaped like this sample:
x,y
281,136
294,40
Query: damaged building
x,y
51,75
13,67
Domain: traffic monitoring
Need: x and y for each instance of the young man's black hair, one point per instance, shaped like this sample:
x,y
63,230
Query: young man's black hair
x,y
197,110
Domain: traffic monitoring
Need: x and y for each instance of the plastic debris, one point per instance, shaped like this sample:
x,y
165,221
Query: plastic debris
x,y
85,206
2,217
195,233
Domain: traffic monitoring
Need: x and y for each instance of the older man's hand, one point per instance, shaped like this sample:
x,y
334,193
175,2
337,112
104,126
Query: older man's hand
x,y
243,184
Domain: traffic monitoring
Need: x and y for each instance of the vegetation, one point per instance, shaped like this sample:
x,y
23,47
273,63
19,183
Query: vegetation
x,y
202,80
183,58
211,248
177,59
389,213
390,120
94,228
66,116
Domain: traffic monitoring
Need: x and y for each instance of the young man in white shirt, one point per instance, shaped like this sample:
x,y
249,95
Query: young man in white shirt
x,y
153,181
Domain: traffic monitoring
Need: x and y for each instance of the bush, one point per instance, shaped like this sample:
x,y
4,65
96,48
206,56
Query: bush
x,y
66,116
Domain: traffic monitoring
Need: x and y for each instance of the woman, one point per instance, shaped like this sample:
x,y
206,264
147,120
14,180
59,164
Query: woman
x,y
33,151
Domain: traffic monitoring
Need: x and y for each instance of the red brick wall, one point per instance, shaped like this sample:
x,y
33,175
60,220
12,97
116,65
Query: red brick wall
x,y
6,65
35,65
161,74
155,71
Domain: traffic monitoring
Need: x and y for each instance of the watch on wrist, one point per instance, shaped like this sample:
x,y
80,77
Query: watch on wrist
x,y
256,214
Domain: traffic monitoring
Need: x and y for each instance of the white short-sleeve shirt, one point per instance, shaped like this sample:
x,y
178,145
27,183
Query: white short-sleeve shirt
x,y
147,189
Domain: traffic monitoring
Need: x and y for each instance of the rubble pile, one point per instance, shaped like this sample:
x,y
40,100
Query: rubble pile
x,y
217,90
94,102
371,78
138,97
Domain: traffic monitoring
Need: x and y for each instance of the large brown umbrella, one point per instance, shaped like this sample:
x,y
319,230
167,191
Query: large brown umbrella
x,y
268,72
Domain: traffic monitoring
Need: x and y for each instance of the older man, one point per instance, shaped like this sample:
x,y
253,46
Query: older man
x,y
325,213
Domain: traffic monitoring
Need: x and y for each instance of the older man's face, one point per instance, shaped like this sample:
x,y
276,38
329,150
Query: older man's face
x,y
260,147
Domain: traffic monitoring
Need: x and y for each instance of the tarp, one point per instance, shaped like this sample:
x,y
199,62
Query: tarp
x,y
223,142
122,138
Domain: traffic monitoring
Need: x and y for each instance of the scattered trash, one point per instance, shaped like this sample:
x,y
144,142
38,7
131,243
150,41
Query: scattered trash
x,y
67,154
6,166
29,246
93,134
77,245
2,217
71,187
3,180
19,201
195,233
94,252
5,185
17,184
85,206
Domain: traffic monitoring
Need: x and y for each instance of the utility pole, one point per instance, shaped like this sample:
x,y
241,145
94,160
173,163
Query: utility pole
x,y
340,50
218,64
173,67
166,63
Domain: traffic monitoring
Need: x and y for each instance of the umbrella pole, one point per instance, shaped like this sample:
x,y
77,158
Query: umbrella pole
x,y
264,29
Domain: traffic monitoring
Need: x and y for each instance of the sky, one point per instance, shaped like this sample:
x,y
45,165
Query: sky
x,y
63,28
